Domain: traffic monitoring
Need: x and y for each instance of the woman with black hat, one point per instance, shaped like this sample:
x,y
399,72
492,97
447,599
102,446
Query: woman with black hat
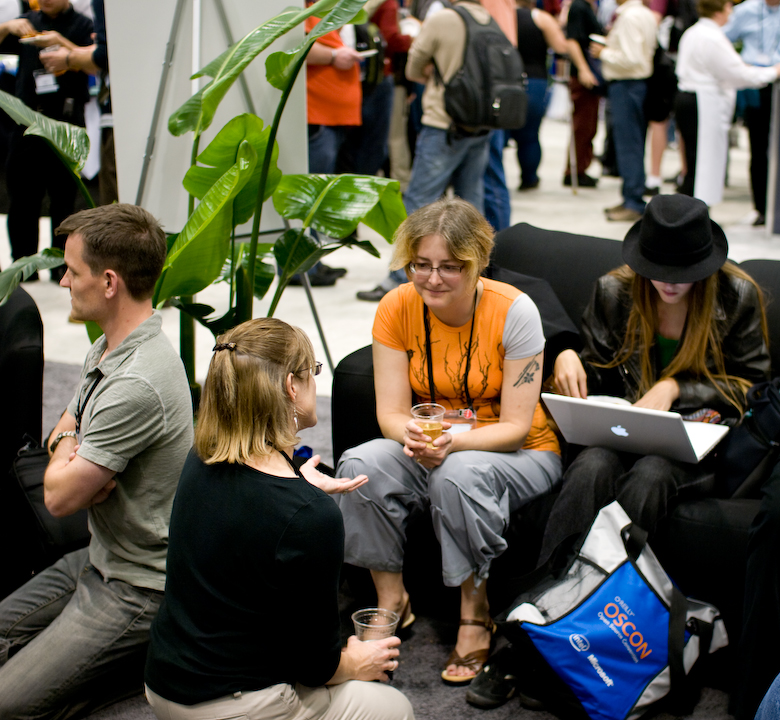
x,y
677,328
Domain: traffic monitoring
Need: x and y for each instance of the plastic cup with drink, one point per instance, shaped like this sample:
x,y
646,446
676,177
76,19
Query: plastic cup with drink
x,y
429,417
375,624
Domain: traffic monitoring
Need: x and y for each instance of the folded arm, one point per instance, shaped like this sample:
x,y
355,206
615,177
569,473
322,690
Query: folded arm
x,y
72,482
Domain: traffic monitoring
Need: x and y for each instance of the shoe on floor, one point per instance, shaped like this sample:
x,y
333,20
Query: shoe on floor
x,y
623,214
473,661
336,272
528,185
318,278
760,220
496,683
374,295
583,180
609,210
651,191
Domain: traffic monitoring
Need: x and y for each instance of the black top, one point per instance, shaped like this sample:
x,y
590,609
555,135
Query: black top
x,y
531,45
251,598
67,102
582,23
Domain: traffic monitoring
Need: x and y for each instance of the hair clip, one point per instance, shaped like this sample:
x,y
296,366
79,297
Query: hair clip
x,y
224,346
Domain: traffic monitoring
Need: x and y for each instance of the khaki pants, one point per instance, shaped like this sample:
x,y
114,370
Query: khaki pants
x,y
352,700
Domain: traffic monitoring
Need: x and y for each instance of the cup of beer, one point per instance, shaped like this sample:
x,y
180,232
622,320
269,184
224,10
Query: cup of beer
x,y
429,417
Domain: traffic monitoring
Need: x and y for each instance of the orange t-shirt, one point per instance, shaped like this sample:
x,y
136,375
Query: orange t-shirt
x,y
333,97
399,325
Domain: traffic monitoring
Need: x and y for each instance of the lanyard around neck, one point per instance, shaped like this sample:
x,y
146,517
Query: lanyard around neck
x,y
81,407
429,354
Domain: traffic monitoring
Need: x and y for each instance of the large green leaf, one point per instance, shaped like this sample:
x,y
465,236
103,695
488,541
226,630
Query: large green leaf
x,y
198,112
220,156
21,270
197,256
336,204
70,142
279,65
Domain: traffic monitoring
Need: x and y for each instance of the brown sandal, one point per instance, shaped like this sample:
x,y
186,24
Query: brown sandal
x,y
473,661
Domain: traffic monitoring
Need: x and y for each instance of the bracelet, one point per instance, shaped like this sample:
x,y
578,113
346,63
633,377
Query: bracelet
x,y
332,57
56,441
67,60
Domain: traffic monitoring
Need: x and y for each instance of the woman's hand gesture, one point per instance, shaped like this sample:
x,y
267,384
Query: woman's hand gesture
x,y
327,484
569,375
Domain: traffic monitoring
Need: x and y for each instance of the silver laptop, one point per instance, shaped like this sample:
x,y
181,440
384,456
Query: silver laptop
x,y
631,429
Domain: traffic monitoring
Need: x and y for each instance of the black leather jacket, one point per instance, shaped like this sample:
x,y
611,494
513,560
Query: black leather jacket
x,y
738,320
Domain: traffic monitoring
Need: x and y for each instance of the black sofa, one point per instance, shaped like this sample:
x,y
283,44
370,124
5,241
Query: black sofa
x,y
702,544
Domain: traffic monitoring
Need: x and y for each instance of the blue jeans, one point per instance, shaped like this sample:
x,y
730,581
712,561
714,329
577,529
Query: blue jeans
x,y
365,149
439,163
325,141
629,130
529,150
496,194
64,632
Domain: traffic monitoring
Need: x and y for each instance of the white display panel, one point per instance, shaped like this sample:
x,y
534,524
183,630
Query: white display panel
x,y
138,34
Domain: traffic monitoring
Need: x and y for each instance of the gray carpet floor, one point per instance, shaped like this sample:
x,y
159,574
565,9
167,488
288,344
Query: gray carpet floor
x,y
423,653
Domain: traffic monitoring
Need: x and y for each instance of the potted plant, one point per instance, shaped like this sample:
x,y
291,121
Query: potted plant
x,y
231,180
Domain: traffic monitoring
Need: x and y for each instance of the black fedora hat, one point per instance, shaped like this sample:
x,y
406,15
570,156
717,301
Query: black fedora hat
x,y
675,241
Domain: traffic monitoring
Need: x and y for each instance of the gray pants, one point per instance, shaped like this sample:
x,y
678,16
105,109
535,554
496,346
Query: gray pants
x,y
63,635
470,497
355,700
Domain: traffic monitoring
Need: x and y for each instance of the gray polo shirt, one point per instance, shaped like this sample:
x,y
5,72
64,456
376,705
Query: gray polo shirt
x,y
136,419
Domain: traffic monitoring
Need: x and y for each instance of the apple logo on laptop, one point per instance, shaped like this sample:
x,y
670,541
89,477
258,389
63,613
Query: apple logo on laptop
x,y
619,430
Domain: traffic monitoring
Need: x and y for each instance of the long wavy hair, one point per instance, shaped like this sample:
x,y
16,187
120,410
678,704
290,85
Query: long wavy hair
x,y
700,339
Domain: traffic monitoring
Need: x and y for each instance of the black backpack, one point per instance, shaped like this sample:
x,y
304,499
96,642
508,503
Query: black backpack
x,y
372,69
488,91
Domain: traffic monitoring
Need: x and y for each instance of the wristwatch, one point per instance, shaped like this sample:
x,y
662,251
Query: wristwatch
x,y
56,441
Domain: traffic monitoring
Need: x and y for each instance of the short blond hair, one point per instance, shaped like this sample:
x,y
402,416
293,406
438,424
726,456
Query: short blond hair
x,y
468,236
245,410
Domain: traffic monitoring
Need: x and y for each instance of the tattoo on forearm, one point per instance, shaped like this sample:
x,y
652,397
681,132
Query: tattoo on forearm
x,y
528,373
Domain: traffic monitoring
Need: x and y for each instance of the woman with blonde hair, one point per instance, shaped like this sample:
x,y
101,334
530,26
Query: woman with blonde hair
x,y
677,328
249,626
474,346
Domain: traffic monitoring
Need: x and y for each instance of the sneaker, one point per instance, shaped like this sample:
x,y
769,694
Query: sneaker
x,y
651,191
496,683
609,210
583,180
623,214
374,295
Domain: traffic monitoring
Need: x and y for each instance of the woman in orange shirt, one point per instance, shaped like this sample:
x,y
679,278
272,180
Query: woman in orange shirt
x,y
469,344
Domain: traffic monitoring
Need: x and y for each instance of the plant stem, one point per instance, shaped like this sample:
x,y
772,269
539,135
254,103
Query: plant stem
x,y
83,189
246,298
187,322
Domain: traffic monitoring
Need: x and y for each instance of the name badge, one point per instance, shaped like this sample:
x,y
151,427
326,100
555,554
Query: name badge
x,y
45,83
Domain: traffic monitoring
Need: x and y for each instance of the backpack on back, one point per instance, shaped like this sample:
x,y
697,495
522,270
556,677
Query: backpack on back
x,y
488,91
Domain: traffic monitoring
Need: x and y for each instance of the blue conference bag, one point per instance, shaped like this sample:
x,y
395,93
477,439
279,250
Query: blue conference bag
x,y
612,636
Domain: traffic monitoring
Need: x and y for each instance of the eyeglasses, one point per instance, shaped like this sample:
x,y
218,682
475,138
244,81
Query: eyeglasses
x,y
317,369
446,272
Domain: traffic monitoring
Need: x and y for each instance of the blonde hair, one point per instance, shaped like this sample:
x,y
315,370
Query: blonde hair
x,y
245,410
466,233
700,339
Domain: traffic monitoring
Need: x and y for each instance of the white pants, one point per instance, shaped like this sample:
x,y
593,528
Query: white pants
x,y
353,700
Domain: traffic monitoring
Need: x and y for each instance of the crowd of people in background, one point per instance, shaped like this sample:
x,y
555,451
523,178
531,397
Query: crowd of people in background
x,y
609,50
